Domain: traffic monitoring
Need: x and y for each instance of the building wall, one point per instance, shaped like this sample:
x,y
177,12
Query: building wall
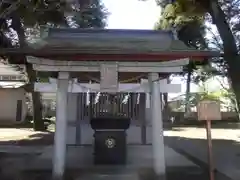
x,y
8,105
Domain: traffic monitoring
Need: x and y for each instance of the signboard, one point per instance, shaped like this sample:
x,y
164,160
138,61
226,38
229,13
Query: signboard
x,y
209,110
109,78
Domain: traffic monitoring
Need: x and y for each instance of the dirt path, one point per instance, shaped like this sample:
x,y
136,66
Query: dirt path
x,y
12,136
191,142
200,133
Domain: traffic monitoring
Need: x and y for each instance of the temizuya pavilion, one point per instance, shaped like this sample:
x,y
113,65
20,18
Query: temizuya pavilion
x,y
110,56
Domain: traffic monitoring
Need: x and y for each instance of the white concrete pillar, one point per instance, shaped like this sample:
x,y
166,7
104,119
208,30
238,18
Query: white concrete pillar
x,y
59,153
159,164
72,113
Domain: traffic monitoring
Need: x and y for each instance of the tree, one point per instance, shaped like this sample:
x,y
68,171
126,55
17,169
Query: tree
x,y
232,12
185,25
92,17
21,17
183,15
203,93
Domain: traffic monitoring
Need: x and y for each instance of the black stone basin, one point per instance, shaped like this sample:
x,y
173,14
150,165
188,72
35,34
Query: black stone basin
x,y
110,122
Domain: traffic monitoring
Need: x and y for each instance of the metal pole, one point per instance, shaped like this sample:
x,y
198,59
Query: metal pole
x,y
210,155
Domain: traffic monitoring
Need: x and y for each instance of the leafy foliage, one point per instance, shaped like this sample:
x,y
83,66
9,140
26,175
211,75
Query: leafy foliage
x,y
20,21
188,17
34,13
92,17
181,12
203,94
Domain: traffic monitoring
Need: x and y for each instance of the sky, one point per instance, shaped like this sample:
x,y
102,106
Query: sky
x,y
132,14
135,14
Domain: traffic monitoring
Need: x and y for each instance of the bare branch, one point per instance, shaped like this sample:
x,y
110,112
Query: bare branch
x,y
10,9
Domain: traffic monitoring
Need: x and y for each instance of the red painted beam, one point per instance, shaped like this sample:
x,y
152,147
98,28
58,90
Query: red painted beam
x,y
129,57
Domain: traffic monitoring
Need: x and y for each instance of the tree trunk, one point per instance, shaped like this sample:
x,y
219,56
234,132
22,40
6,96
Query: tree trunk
x,y
32,76
166,109
36,100
229,44
165,99
187,103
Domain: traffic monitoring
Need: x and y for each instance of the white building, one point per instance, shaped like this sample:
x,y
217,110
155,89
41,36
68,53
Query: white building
x,y
13,107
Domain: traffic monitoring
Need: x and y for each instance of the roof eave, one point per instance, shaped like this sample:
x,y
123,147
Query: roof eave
x,y
76,54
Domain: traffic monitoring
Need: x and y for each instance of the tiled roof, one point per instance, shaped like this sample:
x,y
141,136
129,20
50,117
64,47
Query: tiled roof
x,y
7,69
10,77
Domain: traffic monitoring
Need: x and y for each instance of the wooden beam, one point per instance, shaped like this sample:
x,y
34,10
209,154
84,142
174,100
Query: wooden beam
x,y
149,69
45,61
85,87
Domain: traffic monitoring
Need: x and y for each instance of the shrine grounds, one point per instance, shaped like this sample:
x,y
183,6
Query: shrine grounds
x,y
20,147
